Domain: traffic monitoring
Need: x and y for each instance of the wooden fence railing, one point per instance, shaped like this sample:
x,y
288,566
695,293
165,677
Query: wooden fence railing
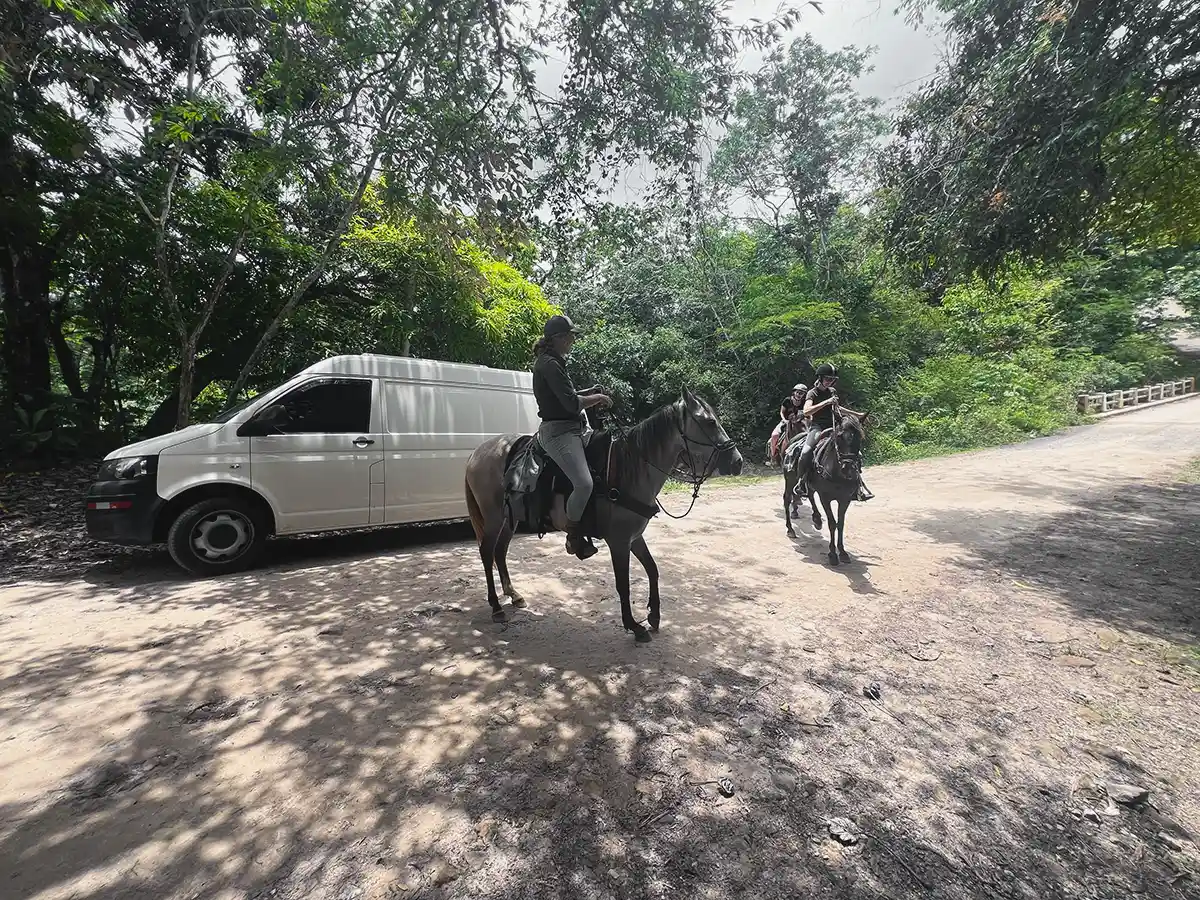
x,y
1099,403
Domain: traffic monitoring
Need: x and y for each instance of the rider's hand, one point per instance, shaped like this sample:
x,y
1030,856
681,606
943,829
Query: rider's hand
x,y
604,402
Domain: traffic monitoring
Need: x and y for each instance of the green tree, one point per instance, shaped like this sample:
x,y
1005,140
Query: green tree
x,y
796,137
1050,126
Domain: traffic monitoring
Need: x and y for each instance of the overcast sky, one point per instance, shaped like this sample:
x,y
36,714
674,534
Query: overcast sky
x,y
904,54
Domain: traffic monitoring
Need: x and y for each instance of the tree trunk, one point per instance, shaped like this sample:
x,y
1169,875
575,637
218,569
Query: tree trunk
x,y
25,285
24,281
68,364
214,366
187,374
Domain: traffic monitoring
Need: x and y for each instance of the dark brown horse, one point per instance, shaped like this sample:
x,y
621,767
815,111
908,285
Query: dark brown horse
x,y
837,467
684,435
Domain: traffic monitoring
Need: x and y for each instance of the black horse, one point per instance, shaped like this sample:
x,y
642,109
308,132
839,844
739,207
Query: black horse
x,y
837,468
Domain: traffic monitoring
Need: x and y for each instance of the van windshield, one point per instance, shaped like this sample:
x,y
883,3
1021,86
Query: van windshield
x,y
231,412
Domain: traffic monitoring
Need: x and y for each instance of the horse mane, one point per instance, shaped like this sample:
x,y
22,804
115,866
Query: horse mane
x,y
643,439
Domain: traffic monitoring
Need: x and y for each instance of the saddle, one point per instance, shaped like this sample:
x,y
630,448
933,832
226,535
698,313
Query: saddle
x,y
532,480
824,462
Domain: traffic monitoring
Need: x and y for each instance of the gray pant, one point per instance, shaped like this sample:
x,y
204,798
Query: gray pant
x,y
810,444
563,442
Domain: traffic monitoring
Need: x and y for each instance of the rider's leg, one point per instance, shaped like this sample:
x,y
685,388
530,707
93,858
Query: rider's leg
x,y
564,444
806,455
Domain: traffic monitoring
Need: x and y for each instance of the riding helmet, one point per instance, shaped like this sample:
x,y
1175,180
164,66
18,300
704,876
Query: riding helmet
x,y
799,387
825,370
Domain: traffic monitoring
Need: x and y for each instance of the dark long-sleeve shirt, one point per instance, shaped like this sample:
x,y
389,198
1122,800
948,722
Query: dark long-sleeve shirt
x,y
553,390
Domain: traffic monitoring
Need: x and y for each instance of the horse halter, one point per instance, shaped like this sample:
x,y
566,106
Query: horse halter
x,y
696,476
855,458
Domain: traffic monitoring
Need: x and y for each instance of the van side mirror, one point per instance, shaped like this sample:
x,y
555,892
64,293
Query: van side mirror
x,y
270,420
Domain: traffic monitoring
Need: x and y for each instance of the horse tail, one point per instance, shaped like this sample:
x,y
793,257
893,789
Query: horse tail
x,y
475,512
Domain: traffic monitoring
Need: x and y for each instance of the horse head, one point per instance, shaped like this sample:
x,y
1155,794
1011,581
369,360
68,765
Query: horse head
x,y
849,436
707,449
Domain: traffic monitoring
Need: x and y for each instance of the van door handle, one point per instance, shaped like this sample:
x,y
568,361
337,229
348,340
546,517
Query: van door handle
x,y
363,442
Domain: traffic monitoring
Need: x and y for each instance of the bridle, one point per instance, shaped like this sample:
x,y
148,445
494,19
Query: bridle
x,y
855,458
695,476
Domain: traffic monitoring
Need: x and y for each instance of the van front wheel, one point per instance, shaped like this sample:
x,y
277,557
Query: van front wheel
x,y
217,536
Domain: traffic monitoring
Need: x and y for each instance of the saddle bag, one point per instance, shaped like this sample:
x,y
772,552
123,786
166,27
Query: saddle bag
x,y
522,484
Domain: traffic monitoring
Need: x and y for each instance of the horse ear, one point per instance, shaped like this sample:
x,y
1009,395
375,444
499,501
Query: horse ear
x,y
866,417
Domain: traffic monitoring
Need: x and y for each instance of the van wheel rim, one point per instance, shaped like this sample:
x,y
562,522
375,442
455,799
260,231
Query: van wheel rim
x,y
222,536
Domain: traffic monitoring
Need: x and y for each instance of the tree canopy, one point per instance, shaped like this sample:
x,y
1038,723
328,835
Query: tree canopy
x,y
199,197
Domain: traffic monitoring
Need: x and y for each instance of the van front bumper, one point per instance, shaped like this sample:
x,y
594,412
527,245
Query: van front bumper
x,y
123,512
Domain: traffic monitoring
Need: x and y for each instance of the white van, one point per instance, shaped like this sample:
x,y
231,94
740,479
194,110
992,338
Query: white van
x,y
351,442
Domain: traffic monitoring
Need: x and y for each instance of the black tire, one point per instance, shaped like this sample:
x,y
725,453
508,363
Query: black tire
x,y
233,530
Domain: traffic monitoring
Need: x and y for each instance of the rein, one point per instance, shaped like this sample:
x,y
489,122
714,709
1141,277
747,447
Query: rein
x,y
696,476
854,458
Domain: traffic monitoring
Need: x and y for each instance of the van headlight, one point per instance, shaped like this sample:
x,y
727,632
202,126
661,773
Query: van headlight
x,y
128,468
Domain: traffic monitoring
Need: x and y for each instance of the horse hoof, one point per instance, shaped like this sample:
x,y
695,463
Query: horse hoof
x,y
499,615
844,556
642,636
653,623
518,601
817,523
833,559
791,533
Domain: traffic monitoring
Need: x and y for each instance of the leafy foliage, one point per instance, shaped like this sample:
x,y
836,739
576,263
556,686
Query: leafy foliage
x,y
1050,124
197,199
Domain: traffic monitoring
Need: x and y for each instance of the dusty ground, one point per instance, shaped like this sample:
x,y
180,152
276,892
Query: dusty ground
x,y
347,722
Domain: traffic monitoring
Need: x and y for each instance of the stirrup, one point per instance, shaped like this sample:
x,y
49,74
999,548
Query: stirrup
x,y
580,546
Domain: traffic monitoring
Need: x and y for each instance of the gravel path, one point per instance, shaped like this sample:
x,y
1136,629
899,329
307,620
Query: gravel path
x,y
978,703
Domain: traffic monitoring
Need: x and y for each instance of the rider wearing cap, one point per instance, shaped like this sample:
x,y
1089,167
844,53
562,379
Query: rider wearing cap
x,y
560,407
793,406
819,406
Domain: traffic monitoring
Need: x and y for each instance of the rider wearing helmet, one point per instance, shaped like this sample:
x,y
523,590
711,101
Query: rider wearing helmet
x,y
819,407
792,407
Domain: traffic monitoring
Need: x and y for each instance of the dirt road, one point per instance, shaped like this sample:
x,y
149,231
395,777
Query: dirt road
x,y
348,723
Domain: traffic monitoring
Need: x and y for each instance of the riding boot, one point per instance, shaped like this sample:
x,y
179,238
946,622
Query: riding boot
x,y
864,494
805,466
578,543
801,490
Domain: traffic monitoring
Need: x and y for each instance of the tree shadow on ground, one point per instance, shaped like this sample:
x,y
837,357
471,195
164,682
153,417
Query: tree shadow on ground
x,y
1128,556
363,730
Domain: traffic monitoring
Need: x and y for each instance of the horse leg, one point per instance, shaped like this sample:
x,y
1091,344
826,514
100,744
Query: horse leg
x,y
843,505
620,561
487,531
487,553
833,525
812,501
788,487
506,585
642,552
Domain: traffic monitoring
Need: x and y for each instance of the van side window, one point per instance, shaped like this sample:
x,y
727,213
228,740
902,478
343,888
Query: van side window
x,y
333,406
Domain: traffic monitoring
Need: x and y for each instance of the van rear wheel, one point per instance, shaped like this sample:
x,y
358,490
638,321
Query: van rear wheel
x,y
217,536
